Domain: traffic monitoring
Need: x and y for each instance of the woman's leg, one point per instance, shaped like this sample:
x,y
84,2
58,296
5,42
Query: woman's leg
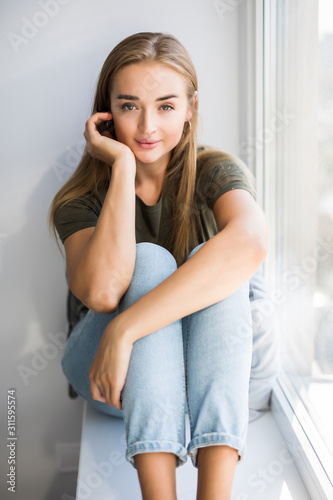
x,y
218,361
79,353
153,397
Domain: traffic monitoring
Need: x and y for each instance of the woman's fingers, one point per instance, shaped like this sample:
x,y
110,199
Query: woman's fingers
x,y
104,147
109,367
96,145
104,394
95,120
96,392
116,399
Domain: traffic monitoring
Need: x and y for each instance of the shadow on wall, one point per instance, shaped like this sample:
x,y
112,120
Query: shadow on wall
x,y
34,325
63,487
36,287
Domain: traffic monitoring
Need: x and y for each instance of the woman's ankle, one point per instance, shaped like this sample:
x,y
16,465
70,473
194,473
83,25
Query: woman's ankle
x,y
157,476
216,468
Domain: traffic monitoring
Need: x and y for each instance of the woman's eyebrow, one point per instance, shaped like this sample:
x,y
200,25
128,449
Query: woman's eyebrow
x,y
135,98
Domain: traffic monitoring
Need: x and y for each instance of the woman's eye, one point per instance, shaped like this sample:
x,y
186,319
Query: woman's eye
x,y
128,107
166,106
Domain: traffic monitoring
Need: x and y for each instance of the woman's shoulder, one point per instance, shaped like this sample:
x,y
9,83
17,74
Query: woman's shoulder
x,y
84,203
210,158
77,213
219,172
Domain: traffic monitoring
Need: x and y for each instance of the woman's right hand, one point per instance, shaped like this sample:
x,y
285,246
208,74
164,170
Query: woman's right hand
x,y
103,147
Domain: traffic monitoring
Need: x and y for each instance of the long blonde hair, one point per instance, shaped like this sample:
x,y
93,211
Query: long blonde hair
x,y
91,176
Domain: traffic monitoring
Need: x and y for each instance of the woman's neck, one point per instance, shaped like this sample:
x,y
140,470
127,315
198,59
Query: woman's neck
x,y
149,190
149,180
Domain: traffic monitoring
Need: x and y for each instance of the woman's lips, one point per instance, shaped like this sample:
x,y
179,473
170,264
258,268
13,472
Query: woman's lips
x,y
147,145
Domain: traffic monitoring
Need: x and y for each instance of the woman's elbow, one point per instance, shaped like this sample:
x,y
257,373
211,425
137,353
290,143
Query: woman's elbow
x,y
102,302
99,300
259,246
260,252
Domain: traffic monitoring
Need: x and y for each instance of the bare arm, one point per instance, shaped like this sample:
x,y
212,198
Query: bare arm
x,y
100,261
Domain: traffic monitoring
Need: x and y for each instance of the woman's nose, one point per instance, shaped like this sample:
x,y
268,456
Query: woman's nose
x,y
147,123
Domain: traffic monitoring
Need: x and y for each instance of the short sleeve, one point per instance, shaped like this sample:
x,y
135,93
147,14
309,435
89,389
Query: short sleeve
x,y
76,215
226,175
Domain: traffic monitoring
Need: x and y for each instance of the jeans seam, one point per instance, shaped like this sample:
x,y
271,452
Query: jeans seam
x,y
186,375
183,407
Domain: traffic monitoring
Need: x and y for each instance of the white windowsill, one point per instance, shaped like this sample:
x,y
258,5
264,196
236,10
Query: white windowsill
x,y
310,453
267,472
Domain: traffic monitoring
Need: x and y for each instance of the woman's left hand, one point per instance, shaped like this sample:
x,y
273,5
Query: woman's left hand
x,y
109,368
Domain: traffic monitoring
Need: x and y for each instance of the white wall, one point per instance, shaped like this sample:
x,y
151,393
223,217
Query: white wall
x,y
48,79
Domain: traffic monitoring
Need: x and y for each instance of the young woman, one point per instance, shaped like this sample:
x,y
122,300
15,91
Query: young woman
x,y
161,238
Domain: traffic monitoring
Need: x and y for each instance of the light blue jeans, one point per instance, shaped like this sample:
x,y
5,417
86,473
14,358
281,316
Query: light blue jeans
x,y
200,364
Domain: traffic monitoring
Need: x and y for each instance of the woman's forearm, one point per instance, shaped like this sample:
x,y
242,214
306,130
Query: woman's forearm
x,y
213,273
104,268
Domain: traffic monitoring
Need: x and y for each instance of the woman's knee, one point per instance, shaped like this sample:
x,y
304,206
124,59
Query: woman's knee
x,y
151,257
153,265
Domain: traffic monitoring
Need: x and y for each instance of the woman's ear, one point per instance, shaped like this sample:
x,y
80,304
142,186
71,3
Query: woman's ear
x,y
192,104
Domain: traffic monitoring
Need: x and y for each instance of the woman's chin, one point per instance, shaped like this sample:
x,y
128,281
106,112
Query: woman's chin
x,y
150,156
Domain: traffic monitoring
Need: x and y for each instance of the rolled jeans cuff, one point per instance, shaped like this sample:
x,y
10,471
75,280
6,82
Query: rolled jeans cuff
x,y
157,446
215,438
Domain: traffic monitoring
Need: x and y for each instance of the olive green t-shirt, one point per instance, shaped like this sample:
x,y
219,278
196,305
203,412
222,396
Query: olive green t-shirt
x,y
153,223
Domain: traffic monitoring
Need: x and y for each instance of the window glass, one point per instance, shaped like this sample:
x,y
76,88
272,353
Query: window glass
x,y
298,186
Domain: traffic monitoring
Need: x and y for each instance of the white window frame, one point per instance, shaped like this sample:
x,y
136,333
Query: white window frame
x,y
311,455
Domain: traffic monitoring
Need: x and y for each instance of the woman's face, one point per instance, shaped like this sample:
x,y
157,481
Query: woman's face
x,y
149,103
